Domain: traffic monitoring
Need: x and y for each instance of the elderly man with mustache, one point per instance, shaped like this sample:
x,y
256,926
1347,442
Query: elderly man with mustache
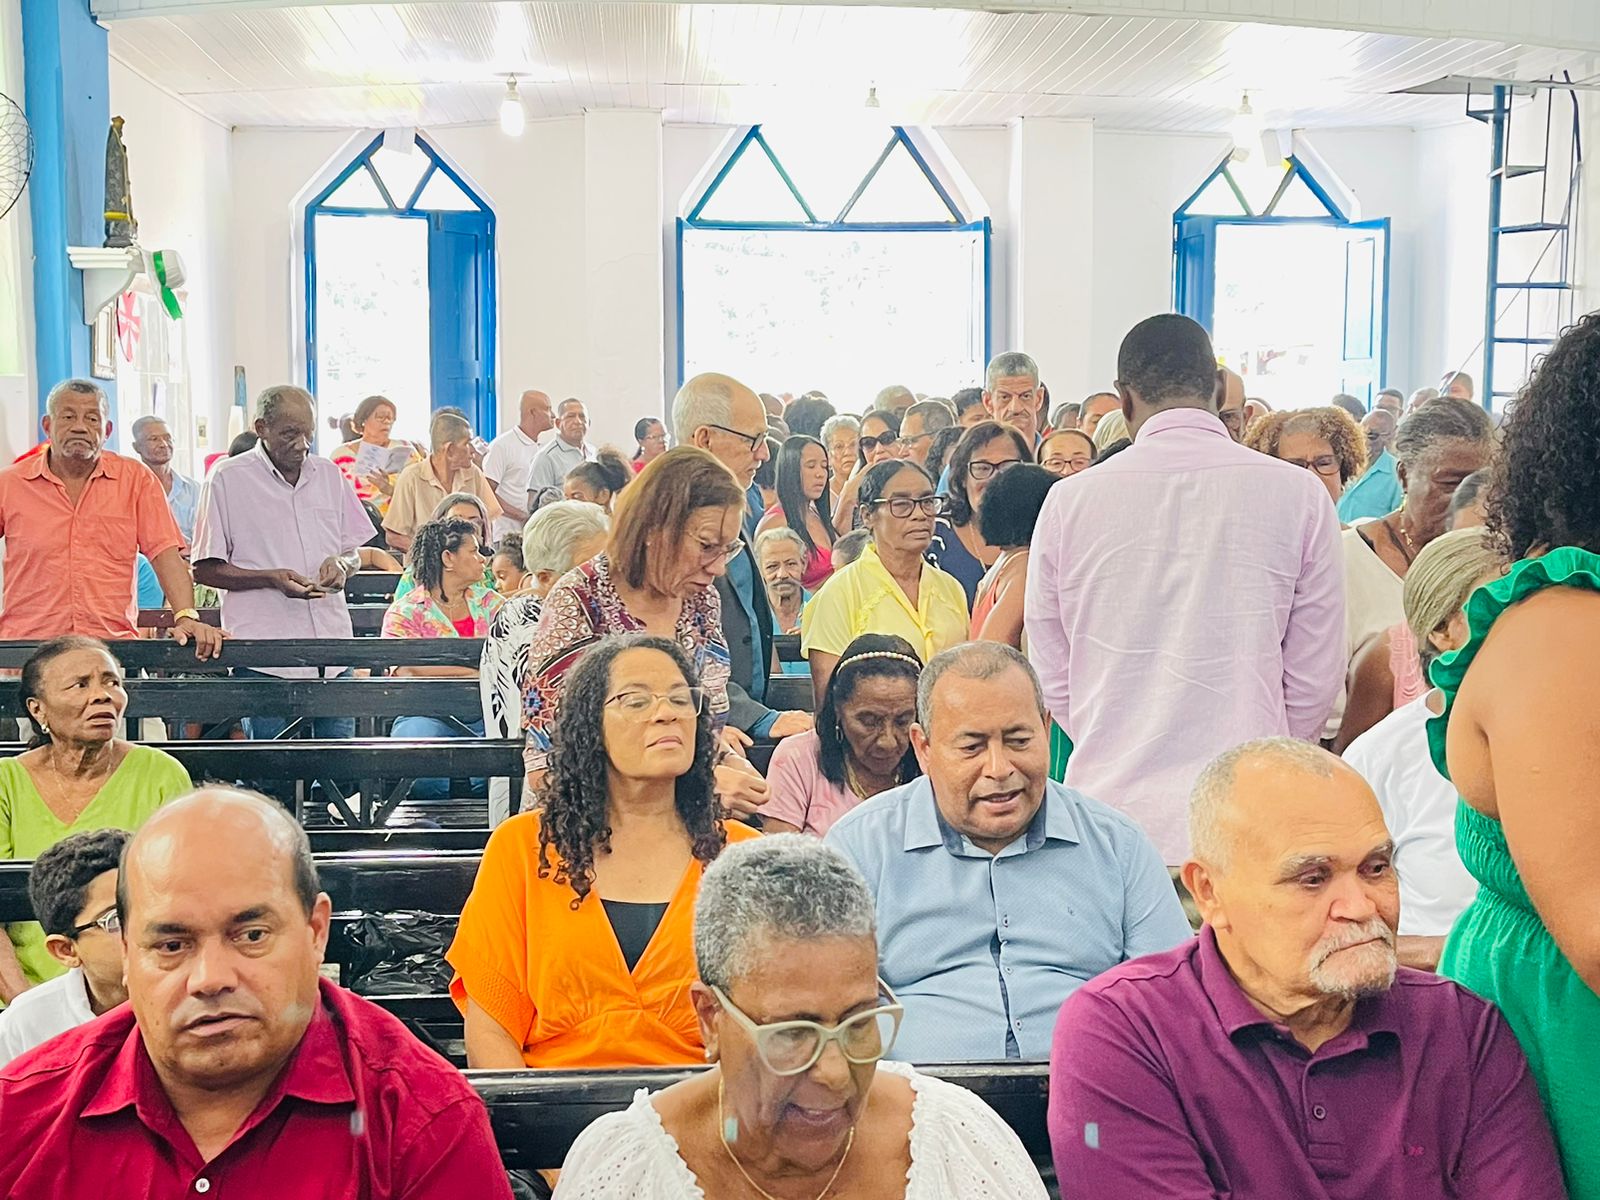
x,y
1284,1052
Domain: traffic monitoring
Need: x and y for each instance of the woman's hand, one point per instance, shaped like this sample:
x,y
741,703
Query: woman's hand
x,y
381,482
734,741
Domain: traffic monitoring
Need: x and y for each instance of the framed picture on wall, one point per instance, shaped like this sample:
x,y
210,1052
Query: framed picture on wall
x,y
103,345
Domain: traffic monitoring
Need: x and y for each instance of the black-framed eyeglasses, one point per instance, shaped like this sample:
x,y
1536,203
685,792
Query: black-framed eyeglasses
x,y
884,441
110,921
903,506
984,470
683,702
753,440
793,1047
1323,464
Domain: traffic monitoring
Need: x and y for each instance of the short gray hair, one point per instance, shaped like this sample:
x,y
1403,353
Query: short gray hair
x,y
937,414
703,400
972,660
843,421
784,887
1008,366
136,430
1213,790
81,387
445,428
552,534
781,533
275,397
1443,419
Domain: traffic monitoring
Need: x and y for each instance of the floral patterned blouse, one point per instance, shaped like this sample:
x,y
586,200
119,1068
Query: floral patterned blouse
x,y
584,607
415,615
344,457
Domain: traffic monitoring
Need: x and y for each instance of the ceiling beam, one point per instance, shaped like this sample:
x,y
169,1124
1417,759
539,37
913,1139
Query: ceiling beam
x,y
1567,24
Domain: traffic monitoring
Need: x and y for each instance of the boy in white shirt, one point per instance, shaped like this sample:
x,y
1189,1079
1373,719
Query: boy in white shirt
x,y
73,889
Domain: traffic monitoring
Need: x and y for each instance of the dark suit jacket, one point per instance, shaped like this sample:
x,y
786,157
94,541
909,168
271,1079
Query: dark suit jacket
x,y
746,647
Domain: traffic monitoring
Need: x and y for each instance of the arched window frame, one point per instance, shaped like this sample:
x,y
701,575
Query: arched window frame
x,y
481,408
754,141
1194,250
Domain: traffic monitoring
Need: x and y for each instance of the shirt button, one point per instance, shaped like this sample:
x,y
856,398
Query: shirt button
x,y
202,1185
1319,1112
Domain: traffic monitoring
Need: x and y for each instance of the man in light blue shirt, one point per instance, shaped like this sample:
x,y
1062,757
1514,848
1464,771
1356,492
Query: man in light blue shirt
x,y
1378,492
998,891
152,442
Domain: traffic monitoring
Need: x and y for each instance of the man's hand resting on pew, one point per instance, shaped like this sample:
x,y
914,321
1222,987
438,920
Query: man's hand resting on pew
x,y
740,786
793,722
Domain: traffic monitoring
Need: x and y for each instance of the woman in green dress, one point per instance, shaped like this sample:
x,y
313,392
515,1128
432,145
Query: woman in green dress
x,y
1520,738
77,775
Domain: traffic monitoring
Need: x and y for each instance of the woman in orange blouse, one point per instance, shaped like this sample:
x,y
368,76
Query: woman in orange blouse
x,y
575,947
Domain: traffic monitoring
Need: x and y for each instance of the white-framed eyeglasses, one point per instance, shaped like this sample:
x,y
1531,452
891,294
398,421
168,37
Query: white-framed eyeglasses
x,y
793,1047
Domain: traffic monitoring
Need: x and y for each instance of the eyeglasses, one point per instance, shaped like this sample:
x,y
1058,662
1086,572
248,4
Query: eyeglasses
x,y
110,921
1065,466
752,440
903,506
1233,419
683,702
711,555
1323,464
883,441
793,1047
983,470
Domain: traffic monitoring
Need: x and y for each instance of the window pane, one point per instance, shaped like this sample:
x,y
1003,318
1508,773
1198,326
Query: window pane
x,y
400,172
441,194
1217,200
827,160
753,191
372,319
358,192
899,192
790,310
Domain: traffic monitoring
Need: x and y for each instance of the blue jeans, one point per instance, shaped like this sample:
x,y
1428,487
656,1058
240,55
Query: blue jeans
x,y
433,727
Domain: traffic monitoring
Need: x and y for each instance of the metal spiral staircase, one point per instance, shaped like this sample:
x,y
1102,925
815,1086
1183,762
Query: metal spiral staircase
x,y
1535,172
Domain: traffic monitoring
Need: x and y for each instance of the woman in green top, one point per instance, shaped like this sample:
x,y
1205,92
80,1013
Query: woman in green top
x,y
1520,738
77,775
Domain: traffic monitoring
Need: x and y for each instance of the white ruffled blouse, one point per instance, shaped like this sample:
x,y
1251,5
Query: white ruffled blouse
x,y
960,1150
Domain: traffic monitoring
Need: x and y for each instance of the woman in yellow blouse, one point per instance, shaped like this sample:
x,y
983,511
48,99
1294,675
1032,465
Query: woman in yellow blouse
x,y
891,589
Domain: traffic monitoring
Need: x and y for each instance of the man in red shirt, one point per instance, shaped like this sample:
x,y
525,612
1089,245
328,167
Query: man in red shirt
x,y
74,518
235,1067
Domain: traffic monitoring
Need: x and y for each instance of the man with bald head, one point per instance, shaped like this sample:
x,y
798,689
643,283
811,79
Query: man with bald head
x,y
1230,402
727,420
1095,407
509,463
1284,1052
234,1066
1378,491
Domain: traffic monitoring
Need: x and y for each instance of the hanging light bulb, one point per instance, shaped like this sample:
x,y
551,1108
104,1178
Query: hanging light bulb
x,y
1245,129
872,96
513,118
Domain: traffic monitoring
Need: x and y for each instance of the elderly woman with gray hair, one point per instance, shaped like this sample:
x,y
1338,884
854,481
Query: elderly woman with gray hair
x,y
796,1022
556,538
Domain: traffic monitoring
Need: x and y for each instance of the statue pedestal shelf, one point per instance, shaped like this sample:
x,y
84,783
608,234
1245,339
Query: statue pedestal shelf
x,y
107,273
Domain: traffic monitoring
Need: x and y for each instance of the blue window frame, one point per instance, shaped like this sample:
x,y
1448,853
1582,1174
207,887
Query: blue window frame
x,y
755,192
460,266
1227,198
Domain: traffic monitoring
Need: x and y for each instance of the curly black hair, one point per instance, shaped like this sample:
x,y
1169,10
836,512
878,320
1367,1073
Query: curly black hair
x,y
429,546
863,658
573,799
1013,503
61,875
1546,488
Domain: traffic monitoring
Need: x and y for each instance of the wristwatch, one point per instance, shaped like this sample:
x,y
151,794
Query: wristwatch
x,y
186,614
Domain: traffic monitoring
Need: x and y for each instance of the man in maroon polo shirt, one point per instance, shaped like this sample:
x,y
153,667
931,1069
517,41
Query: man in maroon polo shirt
x,y
1284,1052
235,1068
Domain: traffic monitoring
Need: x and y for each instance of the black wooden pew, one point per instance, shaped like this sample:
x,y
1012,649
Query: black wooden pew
x,y
372,654
537,1115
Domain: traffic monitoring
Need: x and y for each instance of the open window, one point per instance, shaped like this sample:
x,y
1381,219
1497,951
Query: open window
x,y
1294,294
400,290
835,259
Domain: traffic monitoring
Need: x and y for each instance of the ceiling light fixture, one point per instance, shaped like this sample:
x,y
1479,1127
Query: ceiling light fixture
x,y
1245,129
872,96
513,118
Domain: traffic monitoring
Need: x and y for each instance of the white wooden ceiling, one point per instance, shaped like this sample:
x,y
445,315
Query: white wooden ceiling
x,y
433,64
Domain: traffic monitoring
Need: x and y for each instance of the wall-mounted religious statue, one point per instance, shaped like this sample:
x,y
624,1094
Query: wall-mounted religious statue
x,y
121,229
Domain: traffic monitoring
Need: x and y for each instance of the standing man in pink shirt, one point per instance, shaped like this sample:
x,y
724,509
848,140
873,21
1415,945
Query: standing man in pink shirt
x,y
1184,597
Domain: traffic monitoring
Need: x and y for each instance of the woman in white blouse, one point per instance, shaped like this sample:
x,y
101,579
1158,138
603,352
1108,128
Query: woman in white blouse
x,y
796,1020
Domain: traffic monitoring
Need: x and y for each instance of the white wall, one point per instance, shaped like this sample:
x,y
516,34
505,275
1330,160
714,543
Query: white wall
x,y
1450,250
17,391
179,163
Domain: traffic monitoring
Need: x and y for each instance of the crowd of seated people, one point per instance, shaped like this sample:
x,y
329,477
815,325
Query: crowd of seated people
x,y
1082,682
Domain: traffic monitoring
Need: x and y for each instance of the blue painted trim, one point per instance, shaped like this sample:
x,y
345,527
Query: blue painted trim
x,y
866,180
1183,209
682,224
1317,190
783,173
1497,160
487,421
988,292
716,180
928,174
846,227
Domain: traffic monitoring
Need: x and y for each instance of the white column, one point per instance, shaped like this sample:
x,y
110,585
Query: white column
x,y
1051,249
620,287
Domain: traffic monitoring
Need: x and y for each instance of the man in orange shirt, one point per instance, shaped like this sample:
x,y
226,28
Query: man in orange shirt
x,y
73,518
